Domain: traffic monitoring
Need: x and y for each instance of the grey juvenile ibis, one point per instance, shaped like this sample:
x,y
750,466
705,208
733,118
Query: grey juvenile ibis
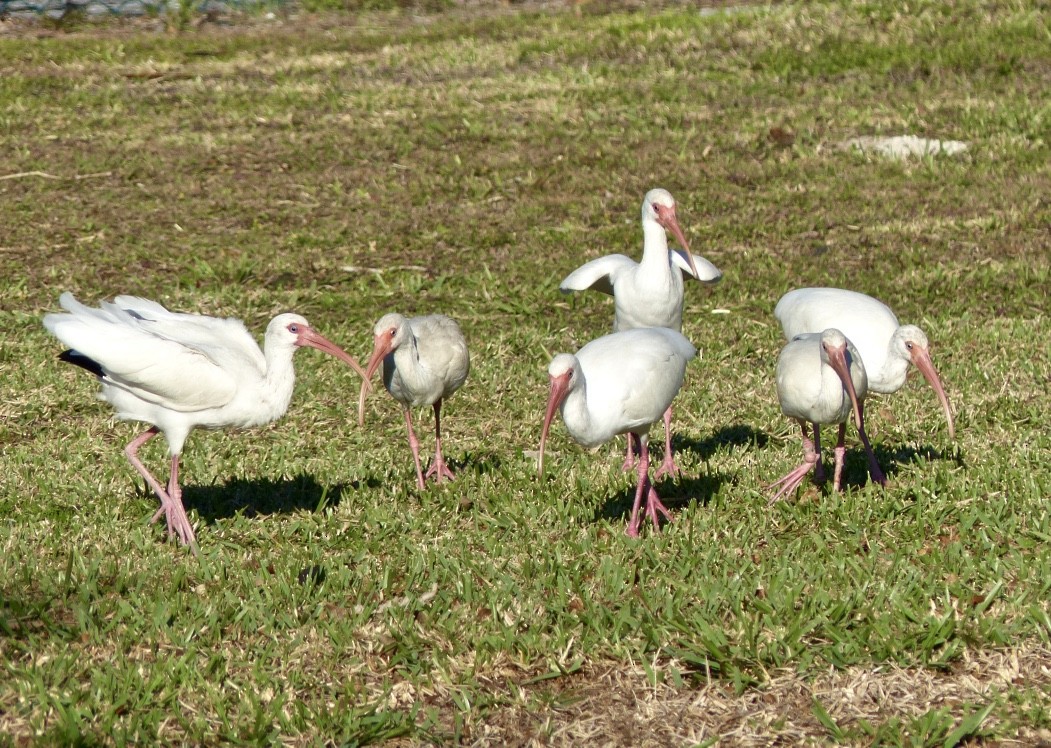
x,y
820,379
425,361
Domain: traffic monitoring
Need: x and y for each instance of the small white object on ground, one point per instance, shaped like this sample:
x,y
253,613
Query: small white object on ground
x,y
902,146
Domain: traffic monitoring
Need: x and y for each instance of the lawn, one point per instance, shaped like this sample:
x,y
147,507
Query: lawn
x,y
344,165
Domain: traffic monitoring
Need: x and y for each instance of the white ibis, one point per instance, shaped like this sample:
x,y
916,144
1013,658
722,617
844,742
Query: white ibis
x,y
179,372
619,384
648,293
821,378
425,361
886,347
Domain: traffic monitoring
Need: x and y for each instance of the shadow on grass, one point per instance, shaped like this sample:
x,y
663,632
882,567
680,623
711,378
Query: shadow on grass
x,y
256,496
674,494
738,435
22,618
856,471
477,462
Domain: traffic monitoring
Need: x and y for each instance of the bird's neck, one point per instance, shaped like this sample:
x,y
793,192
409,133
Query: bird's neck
x,y
892,375
279,381
407,361
575,413
654,246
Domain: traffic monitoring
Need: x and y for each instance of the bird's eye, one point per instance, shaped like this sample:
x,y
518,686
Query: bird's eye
x,y
909,344
293,328
393,331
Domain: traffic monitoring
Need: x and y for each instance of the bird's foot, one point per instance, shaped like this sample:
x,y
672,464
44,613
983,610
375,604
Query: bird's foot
x,y
175,516
166,510
653,506
789,482
439,471
667,467
629,463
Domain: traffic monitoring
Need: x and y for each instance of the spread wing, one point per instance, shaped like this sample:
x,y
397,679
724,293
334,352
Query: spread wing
x,y
706,271
154,368
598,275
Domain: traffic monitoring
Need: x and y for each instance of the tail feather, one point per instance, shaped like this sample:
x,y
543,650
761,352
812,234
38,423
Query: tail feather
x,y
71,356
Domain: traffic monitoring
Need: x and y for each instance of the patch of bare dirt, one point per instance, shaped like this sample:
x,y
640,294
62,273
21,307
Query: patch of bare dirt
x,y
617,705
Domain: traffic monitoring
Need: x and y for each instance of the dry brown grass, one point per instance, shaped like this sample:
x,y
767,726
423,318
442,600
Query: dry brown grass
x,y
617,704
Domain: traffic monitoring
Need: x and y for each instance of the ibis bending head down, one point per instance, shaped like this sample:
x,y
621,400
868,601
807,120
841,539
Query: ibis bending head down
x,y
886,348
648,293
425,361
619,384
821,379
179,372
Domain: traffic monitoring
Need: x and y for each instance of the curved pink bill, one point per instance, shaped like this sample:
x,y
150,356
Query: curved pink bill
x,y
671,223
922,359
379,352
312,338
837,359
559,389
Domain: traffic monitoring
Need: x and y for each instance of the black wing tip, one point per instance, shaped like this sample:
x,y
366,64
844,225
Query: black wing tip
x,y
71,356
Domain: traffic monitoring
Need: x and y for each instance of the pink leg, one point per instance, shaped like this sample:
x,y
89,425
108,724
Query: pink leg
x,y
179,520
840,453
819,467
414,445
640,487
438,468
874,468
132,453
171,506
668,466
629,458
792,480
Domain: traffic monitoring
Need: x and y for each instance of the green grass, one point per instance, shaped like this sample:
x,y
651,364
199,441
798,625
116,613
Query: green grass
x,y
344,166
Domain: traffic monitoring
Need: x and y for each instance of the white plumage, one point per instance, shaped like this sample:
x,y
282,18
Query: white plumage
x,y
886,347
425,360
820,379
179,372
619,384
648,293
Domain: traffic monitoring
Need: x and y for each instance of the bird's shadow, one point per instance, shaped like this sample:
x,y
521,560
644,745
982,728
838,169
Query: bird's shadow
x,y
674,494
261,496
480,462
738,435
855,467
890,458
26,618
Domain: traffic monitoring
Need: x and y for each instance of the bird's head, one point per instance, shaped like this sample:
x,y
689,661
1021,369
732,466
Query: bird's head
x,y
388,334
293,331
564,375
910,342
838,353
659,206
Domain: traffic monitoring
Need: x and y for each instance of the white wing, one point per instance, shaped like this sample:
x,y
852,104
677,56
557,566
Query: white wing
x,y
224,340
598,275
706,271
153,368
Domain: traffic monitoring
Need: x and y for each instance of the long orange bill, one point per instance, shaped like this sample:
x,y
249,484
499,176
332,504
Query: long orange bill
x,y
922,359
314,339
379,352
559,389
837,359
671,223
